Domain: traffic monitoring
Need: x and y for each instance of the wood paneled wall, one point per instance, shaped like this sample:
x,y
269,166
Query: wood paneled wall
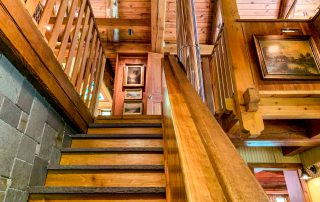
x,y
274,28
118,95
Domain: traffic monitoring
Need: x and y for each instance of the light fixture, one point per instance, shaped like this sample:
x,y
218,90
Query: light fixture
x,y
304,174
289,30
48,27
130,32
314,169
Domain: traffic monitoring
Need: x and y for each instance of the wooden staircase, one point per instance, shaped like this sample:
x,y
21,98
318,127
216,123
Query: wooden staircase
x,y
120,159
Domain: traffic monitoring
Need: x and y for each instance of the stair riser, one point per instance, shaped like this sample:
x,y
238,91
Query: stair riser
x,y
100,143
152,130
97,198
106,178
112,159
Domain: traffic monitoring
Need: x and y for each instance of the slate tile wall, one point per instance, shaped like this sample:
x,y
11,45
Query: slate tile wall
x,y
31,133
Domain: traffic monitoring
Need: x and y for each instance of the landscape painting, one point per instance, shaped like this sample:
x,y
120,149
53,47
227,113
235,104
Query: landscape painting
x,y
287,57
133,94
132,108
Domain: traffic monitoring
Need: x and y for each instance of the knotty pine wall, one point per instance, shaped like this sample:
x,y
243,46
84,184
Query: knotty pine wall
x,y
274,28
118,94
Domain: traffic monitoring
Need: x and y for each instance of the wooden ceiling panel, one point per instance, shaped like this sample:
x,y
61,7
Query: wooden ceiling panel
x,y
204,15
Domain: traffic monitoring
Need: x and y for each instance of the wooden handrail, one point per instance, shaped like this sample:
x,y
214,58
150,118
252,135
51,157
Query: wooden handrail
x,y
69,75
190,128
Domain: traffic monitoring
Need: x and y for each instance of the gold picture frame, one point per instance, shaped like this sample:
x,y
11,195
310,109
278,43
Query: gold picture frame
x,y
133,94
133,75
133,108
293,57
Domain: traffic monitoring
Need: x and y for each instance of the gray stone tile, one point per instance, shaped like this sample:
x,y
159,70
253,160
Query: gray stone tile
x,y
26,96
54,120
11,80
1,99
37,120
23,122
55,156
20,174
14,195
9,141
10,113
27,149
67,140
47,142
39,172
3,183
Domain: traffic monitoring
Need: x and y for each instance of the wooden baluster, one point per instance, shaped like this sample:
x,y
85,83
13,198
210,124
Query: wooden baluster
x,y
229,68
31,6
57,25
81,45
220,95
66,34
220,77
223,69
99,79
93,53
94,71
79,79
47,11
74,39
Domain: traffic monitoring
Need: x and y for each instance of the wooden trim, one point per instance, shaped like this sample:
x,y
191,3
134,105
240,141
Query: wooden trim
x,y
22,36
273,20
276,166
275,142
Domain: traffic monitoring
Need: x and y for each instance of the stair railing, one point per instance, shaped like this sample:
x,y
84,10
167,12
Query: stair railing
x,y
64,36
223,84
202,163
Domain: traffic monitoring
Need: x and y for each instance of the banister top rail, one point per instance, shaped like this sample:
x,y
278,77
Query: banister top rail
x,y
234,176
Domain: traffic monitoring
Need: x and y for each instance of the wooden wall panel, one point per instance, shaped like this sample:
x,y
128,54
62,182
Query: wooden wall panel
x,y
118,95
274,28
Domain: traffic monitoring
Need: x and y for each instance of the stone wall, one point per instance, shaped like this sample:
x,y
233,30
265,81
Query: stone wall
x,y
31,133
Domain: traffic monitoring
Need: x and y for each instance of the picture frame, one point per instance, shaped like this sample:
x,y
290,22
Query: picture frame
x,y
133,94
133,108
293,57
133,75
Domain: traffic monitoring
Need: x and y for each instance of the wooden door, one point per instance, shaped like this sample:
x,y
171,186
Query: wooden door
x,y
153,84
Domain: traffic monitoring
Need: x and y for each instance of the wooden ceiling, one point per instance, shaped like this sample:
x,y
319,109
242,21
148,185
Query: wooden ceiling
x,y
272,9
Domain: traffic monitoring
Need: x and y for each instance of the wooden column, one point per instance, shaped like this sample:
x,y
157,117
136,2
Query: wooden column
x,y
293,185
250,121
188,43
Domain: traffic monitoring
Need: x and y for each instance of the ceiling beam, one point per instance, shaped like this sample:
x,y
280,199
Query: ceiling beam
x,y
276,142
172,49
313,132
127,47
286,8
158,13
276,166
115,23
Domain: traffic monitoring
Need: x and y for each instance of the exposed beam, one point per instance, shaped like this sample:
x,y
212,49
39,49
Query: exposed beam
x,y
313,131
158,13
127,48
115,23
276,166
285,7
172,49
276,142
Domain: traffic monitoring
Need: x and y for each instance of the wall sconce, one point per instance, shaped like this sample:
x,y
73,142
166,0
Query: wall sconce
x,y
289,30
305,175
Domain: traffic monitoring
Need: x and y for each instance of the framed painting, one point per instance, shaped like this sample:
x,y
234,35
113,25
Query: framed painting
x,y
133,108
133,75
133,94
287,57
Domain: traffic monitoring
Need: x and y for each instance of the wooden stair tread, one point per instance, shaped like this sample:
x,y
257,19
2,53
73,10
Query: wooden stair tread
x,y
112,143
135,130
127,117
123,158
112,149
95,190
126,123
107,197
105,178
106,167
104,136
